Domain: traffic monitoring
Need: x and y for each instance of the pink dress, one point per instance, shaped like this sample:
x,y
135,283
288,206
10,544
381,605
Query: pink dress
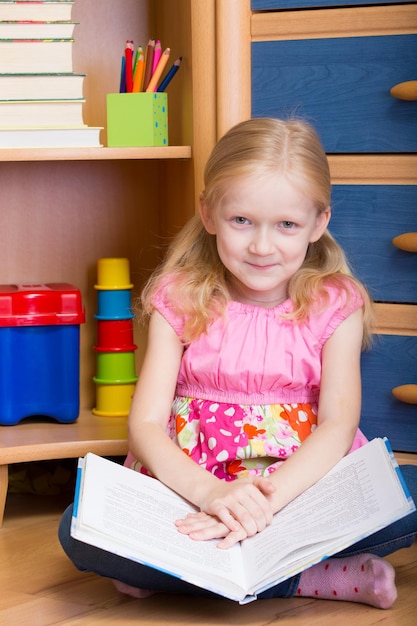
x,y
248,389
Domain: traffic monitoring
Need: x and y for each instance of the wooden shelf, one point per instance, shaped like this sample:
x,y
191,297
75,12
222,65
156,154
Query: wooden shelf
x,y
42,440
64,208
33,440
94,154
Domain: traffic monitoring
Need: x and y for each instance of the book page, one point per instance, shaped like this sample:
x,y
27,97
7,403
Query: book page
x,y
361,493
134,516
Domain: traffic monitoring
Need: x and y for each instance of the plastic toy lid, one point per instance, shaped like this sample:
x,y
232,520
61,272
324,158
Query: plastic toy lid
x,y
40,304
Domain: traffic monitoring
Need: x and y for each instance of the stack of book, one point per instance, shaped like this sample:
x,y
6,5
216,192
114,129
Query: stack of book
x,y
41,98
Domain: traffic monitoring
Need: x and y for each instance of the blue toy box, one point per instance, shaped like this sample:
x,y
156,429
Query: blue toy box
x,y
40,352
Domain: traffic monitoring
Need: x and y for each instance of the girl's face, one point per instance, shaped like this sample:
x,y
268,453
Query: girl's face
x,y
263,227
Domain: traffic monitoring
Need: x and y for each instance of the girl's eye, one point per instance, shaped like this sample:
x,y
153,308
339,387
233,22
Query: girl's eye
x,y
287,224
241,220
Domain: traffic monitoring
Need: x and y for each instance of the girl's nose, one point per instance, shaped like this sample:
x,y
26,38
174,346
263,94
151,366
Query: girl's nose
x,y
262,243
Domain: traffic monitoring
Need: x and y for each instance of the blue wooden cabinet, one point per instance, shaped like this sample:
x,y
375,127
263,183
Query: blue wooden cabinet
x,y
342,85
391,362
262,5
365,219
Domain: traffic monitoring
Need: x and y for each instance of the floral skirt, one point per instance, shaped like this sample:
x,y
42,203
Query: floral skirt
x,y
235,440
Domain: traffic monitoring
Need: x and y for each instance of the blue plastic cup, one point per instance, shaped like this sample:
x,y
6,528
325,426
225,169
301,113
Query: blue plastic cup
x,y
114,305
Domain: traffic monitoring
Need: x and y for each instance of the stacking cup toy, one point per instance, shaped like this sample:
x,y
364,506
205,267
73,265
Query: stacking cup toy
x,y
115,367
115,336
113,273
115,350
114,305
113,400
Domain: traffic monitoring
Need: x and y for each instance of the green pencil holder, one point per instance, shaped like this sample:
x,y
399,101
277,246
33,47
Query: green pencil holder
x,y
137,119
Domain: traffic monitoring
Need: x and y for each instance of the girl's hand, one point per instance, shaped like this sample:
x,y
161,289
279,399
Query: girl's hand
x,y
202,527
242,506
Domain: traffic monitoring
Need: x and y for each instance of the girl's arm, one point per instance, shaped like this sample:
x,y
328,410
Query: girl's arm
x,y
236,504
338,415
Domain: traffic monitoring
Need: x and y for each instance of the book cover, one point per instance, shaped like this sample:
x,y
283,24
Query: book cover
x,y
41,86
56,10
27,113
35,56
81,137
132,515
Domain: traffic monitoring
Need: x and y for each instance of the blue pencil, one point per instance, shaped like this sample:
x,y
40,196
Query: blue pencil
x,y
122,88
170,75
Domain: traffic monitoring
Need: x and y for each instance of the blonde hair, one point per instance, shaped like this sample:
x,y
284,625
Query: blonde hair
x,y
198,281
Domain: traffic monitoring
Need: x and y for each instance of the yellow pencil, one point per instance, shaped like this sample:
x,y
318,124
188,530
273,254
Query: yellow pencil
x,y
153,83
140,68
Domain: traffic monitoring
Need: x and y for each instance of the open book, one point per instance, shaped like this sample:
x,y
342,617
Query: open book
x,y
132,515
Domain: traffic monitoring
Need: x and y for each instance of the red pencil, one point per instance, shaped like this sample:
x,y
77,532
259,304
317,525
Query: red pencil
x,y
129,65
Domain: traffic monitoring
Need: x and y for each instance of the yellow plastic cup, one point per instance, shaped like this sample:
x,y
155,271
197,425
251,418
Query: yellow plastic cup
x,y
113,273
113,400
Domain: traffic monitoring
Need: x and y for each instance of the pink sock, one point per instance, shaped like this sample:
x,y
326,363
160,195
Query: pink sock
x,y
132,591
363,578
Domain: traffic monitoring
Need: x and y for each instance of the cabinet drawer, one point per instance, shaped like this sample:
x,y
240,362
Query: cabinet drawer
x,y
342,86
391,362
261,5
365,218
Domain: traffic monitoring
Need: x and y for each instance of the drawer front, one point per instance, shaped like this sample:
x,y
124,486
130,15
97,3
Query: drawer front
x,y
391,362
365,218
262,5
341,85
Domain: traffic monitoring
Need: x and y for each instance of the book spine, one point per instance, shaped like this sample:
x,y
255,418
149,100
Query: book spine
x,y
398,471
43,40
78,482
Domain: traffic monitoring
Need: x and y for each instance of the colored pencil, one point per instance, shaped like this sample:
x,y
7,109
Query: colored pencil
x,y
150,51
153,83
157,55
138,78
122,88
129,65
170,74
137,55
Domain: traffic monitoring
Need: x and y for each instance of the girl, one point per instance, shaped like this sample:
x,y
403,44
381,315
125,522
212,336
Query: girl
x,y
252,370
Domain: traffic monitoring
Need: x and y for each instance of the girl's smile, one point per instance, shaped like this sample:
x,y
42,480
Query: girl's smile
x,y
263,228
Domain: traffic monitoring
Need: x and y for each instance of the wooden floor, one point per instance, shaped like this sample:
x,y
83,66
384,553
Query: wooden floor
x,y
40,587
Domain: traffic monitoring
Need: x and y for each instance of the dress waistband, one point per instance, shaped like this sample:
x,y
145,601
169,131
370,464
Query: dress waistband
x,y
282,396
